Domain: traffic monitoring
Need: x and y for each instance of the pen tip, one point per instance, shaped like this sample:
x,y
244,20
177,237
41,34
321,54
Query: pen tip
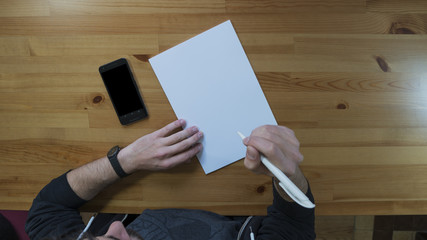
x,y
241,134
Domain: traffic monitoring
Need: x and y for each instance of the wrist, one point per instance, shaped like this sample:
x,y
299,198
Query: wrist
x,y
113,158
124,158
298,179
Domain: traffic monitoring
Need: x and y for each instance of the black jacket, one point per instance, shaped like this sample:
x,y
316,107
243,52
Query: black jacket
x,y
55,213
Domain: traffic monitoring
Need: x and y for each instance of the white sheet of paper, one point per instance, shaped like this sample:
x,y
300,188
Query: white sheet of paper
x,y
210,83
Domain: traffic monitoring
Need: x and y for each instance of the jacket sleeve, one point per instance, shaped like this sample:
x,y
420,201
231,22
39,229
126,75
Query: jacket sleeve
x,y
287,220
55,211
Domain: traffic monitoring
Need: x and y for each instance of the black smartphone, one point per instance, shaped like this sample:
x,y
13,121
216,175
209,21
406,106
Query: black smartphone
x,y
123,91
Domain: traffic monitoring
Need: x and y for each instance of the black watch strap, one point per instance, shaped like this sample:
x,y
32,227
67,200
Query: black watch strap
x,y
115,162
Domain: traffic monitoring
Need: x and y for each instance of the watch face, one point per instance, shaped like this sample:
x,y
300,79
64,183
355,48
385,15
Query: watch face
x,y
113,151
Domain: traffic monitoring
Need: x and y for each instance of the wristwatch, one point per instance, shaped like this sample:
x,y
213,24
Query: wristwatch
x,y
112,156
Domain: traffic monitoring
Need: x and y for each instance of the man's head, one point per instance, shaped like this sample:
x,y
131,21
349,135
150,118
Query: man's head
x,y
116,231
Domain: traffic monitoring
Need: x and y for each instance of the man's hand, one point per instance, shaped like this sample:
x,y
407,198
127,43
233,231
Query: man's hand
x,y
281,147
278,144
159,150
162,149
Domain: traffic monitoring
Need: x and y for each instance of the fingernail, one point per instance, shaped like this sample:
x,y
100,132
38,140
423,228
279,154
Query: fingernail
x,y
200,134
246,140
194,129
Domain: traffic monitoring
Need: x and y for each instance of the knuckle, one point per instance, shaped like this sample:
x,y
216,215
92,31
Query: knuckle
x,y
270,148
300,157
185,145
297,143
269,135
270,128
179,136
290,131
165,165
249,165
291,170
193,152
257,131
296,156
261,129
161,154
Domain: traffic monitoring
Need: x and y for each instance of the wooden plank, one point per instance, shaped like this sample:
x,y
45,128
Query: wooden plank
x,y
342,82
93,45
54,67
158,116
386,156
252,42
78,24
334,23
44,78
339,23
25,82
111,7
335,63
355,102
24,8
292,6
396,6
44,118
312,63
14,46
54,101
105,135
372,183
350,119
410,59
352,46
77,64
361,137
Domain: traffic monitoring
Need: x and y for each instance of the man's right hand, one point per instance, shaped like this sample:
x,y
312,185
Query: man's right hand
x,y
281,147
278,144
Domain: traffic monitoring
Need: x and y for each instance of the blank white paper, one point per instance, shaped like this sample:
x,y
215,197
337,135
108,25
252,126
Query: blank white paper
x,y
210,83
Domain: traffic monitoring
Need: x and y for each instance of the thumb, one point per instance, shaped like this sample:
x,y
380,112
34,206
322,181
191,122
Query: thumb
x,y
252,159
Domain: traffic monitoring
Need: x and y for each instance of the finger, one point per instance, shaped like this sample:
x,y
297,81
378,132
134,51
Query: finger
x,y
288,135
282,136
273,133
252,159
168,129
264,145
287,160
184,144
180,136
270,150
181,157
253,162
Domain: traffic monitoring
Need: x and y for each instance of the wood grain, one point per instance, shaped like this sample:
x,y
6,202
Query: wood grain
x,y
349,76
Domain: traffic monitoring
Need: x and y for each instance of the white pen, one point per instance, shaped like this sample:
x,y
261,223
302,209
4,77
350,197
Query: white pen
x,y
251,234
290,188
87,226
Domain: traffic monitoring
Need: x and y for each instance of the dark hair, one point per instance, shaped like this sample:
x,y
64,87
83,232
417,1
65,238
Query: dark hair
x,y
7,231
71,236
87,236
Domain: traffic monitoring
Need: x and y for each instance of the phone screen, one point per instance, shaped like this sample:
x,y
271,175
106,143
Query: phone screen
x,y
122,90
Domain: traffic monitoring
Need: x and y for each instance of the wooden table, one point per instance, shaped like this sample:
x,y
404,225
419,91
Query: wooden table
x,y
349,76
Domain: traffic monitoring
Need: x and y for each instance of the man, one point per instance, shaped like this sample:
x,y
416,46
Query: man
x,y
54,212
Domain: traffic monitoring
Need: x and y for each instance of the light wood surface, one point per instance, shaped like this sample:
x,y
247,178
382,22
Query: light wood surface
x,y
349,76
